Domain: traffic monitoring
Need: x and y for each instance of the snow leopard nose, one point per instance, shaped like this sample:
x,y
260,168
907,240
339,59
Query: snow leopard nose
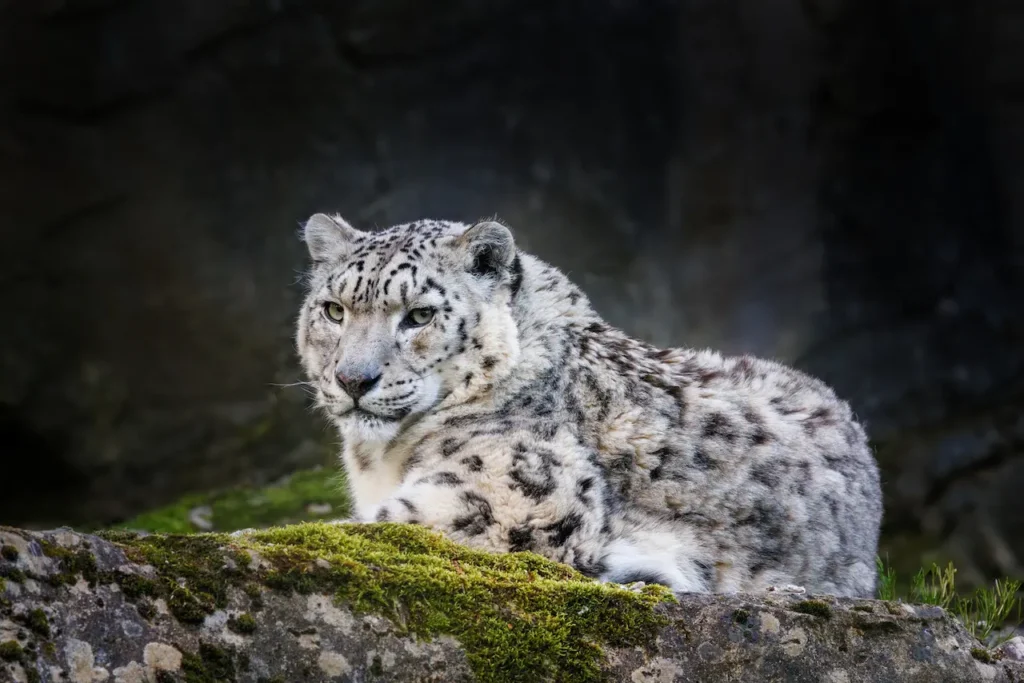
x,y
357,384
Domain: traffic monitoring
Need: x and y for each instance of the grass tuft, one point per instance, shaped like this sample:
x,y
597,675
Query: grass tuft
x,y
886,580
983,613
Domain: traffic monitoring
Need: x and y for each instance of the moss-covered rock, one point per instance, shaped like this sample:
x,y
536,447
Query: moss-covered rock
x,y
317,601
243,623
816,608
514,614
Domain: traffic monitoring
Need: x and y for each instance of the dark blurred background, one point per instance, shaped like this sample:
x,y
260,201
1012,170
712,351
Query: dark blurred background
x,y
838,184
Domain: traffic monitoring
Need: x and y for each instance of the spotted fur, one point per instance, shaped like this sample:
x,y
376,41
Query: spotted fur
x,y
516,419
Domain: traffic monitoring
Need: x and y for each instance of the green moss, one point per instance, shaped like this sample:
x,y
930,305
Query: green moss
x,y
32,676
893,608
518,615
197,560
117,535
243,623
12,574
145,609
211,665
188,607
37,622
815,608
73,563
741,616
285,502
983,655
134,587
10,651
255,594
241,559
9,553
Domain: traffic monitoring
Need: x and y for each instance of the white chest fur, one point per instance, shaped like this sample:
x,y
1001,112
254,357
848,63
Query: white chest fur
x,y
372,478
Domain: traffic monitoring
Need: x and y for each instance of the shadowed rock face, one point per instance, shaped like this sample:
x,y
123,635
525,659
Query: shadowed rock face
x,y
266,607
833,184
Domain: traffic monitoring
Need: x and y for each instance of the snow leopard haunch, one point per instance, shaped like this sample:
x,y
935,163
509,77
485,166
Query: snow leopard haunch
x,y
477,392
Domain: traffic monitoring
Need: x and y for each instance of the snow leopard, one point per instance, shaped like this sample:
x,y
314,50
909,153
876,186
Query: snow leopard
x,y
477,392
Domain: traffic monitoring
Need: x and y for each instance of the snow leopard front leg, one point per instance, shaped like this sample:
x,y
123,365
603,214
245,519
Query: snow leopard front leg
x,y
444,501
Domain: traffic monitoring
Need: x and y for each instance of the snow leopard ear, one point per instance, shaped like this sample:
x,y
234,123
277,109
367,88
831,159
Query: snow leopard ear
x,y
488,247
329,237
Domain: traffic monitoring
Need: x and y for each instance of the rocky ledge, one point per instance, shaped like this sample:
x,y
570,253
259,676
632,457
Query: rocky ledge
x,y
318,602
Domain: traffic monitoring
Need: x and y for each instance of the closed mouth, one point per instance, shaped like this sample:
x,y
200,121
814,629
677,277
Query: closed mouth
x,y
367,415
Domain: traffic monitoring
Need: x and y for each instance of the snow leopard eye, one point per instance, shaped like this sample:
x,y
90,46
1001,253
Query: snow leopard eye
x,y
334,312
418,317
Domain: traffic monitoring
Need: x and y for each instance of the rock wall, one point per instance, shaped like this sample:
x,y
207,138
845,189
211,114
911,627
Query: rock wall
x,y
833,183
291,605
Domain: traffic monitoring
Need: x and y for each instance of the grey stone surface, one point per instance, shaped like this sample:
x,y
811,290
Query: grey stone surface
x,y
836,184
94,634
